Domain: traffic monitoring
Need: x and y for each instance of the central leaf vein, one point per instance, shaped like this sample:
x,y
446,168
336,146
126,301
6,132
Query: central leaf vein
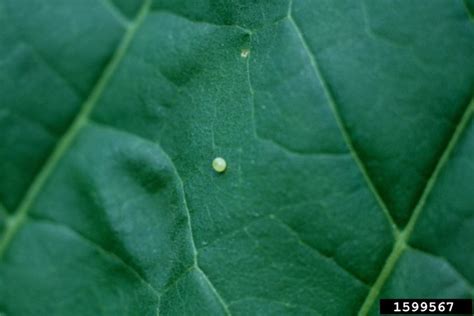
x,y
404,237
63,145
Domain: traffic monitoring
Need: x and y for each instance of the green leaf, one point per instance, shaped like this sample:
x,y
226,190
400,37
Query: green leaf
x,y
347,128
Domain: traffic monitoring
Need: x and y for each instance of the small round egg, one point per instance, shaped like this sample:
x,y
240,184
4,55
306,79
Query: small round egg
x,y
219,164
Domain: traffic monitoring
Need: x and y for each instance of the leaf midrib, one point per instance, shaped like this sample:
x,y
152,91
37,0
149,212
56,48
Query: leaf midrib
x,y
19,216
401,237
401,243
16,221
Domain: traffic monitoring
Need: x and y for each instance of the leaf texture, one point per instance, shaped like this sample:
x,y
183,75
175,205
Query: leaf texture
x,y
347,128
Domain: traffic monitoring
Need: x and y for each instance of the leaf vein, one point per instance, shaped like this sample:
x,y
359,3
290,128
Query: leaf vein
x,y
188,214
447,261
404,236
193,244
297,236
214,290
115,12
332,103
100,248
67,139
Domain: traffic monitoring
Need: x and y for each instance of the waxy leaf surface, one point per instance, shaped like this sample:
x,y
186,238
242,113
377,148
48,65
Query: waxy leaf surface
x,y
347,129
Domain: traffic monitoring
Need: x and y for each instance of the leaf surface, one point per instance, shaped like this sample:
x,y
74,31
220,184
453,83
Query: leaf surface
x,y
346,127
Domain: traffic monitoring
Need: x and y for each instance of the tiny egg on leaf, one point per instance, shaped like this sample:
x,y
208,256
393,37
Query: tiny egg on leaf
x,y
219,164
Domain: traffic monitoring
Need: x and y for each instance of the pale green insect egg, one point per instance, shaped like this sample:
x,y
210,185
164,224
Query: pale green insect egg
x,y
219,164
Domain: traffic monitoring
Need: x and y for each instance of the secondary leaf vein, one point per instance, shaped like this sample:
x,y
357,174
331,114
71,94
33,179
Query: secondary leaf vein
x,y
193,244
101,249
117,14
448,262
339,121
